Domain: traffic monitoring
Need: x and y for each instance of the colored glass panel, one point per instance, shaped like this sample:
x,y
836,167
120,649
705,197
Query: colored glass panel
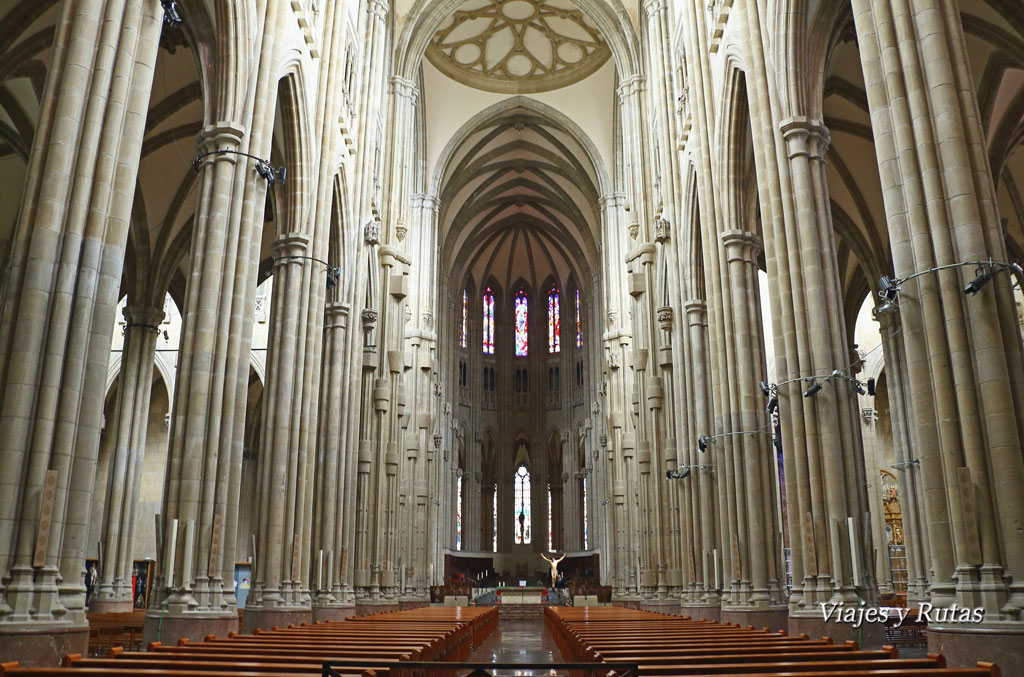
x,y
488,322
464,330
554,340
458,513
522,505
522,340
579,322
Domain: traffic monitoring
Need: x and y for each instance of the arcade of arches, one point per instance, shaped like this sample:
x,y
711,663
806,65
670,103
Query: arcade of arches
x,y
307,305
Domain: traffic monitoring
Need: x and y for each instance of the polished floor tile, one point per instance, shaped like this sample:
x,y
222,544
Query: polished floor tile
x,y
519,641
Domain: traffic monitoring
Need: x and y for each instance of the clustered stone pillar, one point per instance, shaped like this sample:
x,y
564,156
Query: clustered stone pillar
x,y
279,594
745,452
963,353
57,313
335,478
135,385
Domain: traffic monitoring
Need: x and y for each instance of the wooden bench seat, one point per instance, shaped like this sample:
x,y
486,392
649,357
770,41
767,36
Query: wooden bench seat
x,y
662,647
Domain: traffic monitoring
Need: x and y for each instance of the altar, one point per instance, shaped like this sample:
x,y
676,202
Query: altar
x,y
520,595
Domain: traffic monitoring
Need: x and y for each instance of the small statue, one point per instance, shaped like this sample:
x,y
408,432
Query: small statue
x,y
554,567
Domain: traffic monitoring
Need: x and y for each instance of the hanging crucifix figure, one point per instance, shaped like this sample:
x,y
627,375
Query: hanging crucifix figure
x,y
554,567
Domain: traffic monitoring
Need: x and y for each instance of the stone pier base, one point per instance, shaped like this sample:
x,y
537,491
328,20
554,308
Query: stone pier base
x,y
332,613
701,612
867,636
167,629
42,646
266,619
963,646
774,619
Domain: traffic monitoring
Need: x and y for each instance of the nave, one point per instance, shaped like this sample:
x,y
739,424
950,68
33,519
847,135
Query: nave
x,y
631,642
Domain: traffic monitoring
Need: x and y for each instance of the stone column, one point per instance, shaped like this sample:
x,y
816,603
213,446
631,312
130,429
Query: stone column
x,y
963,353
57,314
135,385
335,479
746,450
276,597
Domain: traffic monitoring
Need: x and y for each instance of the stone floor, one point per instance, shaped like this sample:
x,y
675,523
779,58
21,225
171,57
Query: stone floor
x,y
519,641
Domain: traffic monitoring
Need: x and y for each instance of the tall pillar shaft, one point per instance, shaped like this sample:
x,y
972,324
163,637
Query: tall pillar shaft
x,y
135,385
963,353
57,315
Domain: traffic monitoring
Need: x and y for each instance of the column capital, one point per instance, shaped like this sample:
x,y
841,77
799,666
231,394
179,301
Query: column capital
x,y
612,200
223,135
805,136
630,85
653,7
403,87
378,8
143,316
336,315
741,245
288,246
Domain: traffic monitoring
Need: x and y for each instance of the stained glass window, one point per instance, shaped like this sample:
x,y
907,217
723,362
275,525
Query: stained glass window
x,y
522,342
586,534
579,322
554,341
522,504
458,513
494,520
551,535
488,322
464,330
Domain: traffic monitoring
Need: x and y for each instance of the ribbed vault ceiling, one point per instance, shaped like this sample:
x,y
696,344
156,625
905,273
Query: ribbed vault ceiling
x,y
519,200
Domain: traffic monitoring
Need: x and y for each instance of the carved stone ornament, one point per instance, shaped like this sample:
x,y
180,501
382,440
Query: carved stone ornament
x,y
565,436
369,317
634,230
408,313
595,406
602,388
661,230
447,408
603,440
401,230
371,232
438,389
665,318
518,46
612,317
613,360
428,319
437,440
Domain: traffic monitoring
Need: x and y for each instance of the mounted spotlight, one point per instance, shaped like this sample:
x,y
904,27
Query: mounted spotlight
x,y
765,388
860,388
871,387
813,390
702,442
890,288
333,275
975,285
268,173
773,405
171,16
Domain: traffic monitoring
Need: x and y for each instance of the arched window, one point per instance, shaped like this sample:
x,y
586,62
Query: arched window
x,y
522,341
464,329
488,322
522,505
579,322
551,535
494,521
586,521
554,341
458,513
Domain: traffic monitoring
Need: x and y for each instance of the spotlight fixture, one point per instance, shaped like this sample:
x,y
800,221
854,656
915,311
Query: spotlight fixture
x,y
765,388
268,173
680,473
871,387
773,405
813,390
702,442
982,278
860,388
333,275
171,16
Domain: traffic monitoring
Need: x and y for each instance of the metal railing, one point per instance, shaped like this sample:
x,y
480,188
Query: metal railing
x,y
338,668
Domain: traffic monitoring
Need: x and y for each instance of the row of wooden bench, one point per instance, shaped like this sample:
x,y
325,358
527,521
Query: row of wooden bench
x,y
666,645
361,646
